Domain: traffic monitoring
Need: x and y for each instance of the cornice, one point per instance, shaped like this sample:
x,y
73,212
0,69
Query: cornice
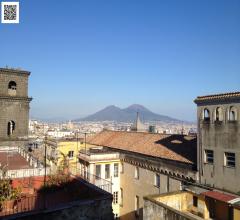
x,y
16,98
14,72
178,173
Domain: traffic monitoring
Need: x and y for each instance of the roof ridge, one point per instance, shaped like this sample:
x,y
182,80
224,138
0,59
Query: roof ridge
x,y
144,143
220,94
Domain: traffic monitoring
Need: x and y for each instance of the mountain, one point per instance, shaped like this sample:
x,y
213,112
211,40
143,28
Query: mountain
x,y
113,113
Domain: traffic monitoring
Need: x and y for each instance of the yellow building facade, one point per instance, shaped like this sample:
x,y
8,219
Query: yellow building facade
x,y
62,152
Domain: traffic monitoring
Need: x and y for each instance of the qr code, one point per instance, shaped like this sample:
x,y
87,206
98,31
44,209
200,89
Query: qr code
x,y
10,12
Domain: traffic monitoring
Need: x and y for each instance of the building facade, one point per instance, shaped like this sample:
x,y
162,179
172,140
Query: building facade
x,y
219,140
62,152
14,104
99,165
142,175
150,164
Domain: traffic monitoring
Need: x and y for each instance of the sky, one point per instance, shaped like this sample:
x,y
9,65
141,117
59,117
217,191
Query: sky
x,y
87,54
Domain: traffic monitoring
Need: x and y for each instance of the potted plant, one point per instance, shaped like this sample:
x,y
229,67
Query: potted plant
x,y
8,195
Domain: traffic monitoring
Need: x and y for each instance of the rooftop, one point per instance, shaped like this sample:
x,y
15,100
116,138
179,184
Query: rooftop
x,y
72,193
96,150
221,96
224,197
13,160
180,148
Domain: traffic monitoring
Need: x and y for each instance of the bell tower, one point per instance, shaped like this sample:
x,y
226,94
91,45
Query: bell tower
x,y
14,104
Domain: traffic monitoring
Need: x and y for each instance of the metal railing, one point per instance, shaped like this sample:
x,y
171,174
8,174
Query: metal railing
x,y
93,179
21,173
24,204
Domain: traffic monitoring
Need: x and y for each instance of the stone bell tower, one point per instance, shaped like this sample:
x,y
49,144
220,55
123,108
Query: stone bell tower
x,y
14,104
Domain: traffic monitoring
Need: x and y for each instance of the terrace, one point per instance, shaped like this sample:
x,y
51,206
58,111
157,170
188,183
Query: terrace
x,y
193,203
59,193
97,154
17,162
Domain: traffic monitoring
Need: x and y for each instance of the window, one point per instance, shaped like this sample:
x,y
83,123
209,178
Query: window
x,y
136,173
157,180
122,168
115,197
232,114
116,170
229,159
121,194
107,171
206,115
137,205
10,128
70,154
209,156
98,171
12,87
218,114
195,201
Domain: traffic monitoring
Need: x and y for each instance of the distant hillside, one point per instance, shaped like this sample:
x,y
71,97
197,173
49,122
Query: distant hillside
x,y
113,113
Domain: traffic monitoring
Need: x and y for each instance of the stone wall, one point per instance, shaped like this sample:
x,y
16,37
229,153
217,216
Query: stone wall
x,y
21,80
156,210
14,107
17,111
98,209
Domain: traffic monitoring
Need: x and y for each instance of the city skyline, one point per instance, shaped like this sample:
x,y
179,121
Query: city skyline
x,y
161,55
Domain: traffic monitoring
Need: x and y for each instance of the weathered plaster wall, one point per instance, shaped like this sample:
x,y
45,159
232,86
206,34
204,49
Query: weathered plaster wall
x,y
141,187
220,137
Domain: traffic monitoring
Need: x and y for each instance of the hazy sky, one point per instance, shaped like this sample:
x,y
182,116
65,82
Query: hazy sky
x,y
85,55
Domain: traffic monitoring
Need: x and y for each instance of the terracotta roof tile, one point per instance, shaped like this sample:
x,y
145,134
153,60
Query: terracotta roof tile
x,y
218,96
172,147
13,160
219,196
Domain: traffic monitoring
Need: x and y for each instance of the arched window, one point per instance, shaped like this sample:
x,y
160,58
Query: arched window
x,y
10,128
12,88
232,114
206,115
218,114
12,85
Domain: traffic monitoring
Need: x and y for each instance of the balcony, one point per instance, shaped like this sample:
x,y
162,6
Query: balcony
x,y
97,155
95,180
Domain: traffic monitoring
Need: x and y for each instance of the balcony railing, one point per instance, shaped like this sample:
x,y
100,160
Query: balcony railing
x,y
92,156
21,173
95,180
